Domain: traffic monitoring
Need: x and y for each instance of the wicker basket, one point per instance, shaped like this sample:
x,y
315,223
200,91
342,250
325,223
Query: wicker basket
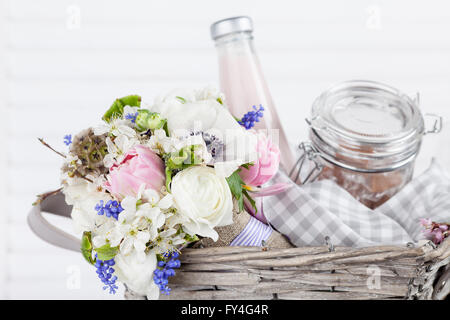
x,y
384,272
326,272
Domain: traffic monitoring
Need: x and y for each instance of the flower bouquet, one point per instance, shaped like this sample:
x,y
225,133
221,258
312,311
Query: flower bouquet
x,y
152,180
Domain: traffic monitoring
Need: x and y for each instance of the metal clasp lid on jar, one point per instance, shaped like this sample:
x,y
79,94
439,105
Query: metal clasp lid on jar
x,y
362,126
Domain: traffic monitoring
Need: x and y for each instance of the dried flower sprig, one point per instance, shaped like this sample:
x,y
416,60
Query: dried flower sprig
x,y
434,231
51,148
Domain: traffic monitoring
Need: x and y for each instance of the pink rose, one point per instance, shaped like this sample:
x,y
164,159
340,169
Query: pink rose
x,y
267,164
140,166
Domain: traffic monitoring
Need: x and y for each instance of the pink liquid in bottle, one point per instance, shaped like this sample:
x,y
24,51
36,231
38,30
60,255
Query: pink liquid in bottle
x,y
242,81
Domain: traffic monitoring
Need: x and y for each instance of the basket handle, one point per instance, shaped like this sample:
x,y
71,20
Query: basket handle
x,y
54,204
442,286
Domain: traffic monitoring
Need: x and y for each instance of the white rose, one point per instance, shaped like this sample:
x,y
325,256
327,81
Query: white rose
x,y
203,200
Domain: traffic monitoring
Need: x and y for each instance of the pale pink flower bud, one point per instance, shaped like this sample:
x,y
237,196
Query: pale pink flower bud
x,y
267,164
140,166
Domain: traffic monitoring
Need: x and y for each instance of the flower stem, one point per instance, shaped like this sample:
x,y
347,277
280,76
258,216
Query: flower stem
x,y
48,146
43,196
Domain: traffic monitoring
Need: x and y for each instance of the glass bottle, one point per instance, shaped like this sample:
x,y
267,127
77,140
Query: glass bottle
x,y
242,80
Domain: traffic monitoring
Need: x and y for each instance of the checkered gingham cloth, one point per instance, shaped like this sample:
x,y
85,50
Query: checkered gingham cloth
x,y
307,214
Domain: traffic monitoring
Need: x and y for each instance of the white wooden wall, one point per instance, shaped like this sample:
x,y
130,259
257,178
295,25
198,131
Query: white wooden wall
x,y
62,62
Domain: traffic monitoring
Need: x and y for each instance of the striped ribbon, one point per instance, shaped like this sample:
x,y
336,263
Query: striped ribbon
x,y
253,234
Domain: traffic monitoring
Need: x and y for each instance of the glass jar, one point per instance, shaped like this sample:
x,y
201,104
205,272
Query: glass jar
x,y
364,136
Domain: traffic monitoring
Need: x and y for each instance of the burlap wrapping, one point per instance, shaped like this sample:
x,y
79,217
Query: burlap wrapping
x,y
228,233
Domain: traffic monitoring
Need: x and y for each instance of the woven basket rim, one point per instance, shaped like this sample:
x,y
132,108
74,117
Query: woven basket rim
x,y
428,251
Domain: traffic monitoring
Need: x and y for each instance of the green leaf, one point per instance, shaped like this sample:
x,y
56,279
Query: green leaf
x,y
187,237
166,127
247,165
132,100
235,183
241,203
168,178
86,247
251,200
190,238
116,109
237,189
106,252
183,100
237,119
219,100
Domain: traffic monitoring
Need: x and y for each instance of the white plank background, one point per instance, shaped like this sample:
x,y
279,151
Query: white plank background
x,y
63,62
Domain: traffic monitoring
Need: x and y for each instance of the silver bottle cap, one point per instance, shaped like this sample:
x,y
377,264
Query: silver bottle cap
x,y
231,25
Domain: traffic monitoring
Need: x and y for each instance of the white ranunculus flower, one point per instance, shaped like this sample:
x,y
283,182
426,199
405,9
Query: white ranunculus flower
x,y
194,111
203,199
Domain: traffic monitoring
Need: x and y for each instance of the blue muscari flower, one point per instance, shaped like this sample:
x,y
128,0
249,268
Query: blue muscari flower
x,y
165,270
249,119
112,208
105,273
68,139
131,116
